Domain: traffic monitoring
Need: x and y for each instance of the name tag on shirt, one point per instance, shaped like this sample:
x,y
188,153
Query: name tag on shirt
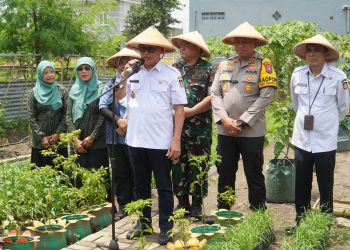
x,y
134,81
302,84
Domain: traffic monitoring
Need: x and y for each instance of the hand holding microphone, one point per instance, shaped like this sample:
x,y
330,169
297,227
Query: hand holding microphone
x,y
132,67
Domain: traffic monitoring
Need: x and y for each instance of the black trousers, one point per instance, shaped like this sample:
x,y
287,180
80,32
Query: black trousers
x,y
324,165
145,161
123,176
39,160
251,149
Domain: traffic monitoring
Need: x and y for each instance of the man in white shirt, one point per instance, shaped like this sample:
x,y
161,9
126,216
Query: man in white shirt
x,y
321,99
153,135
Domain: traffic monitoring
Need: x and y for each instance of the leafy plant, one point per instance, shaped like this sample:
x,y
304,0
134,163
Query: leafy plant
x,y
282,115
136,208
311,233
182,225
255,230
228,197
198,162
93,189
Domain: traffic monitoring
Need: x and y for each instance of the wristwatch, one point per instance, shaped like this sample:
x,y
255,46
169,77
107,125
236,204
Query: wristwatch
x,y
241,124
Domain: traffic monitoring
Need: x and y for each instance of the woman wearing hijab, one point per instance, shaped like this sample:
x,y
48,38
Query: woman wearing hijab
x,y
47,105
90,145
124,178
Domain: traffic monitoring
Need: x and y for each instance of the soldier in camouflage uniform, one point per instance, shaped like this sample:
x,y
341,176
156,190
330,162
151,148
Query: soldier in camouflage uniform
x,y
197,75
242,89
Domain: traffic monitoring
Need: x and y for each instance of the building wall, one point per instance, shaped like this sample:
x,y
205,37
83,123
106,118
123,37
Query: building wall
x,y
219,17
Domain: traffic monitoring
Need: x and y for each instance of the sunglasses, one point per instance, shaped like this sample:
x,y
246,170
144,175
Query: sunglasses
x,y
84,69
149,49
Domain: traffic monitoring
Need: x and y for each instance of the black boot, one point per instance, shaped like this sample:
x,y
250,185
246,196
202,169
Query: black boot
x,y
184,202
196,207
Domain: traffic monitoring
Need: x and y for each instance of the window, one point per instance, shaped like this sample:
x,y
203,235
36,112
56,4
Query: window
x,y
103,19
213,15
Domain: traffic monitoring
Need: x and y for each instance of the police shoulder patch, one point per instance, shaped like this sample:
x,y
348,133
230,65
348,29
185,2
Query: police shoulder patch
x,y
345,84
267,74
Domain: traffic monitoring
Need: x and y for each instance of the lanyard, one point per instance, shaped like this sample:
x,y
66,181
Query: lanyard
x,y
308,84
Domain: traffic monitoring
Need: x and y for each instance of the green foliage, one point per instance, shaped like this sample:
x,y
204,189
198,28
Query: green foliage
x,y
282,38
282,117
53,28
150,12
254,230
3,123
218,48
182,224
228,196
198,161
93,190
312,232
346,122
29,193
136,208
43,27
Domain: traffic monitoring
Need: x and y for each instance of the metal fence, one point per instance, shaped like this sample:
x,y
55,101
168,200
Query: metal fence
x,y
13,97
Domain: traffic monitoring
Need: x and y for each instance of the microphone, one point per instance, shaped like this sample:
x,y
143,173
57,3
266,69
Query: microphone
x,y
134,69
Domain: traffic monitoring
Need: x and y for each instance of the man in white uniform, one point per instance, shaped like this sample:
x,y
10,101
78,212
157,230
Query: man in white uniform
x,y
153,135
321,99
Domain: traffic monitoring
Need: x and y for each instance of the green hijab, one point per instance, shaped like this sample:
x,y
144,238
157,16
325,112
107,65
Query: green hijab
x,y
46,93
84,91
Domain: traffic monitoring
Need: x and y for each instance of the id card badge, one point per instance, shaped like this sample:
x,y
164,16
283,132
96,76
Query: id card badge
x,y
308,122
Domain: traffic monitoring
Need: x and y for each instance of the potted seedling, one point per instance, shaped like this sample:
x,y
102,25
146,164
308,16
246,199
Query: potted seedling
x,y
182,224
91,192
15,210
49,197
204,231
135,208
227,217
280,174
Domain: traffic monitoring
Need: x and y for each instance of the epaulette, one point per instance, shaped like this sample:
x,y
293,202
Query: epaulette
x,y
336,70
232,57
171,67
300,68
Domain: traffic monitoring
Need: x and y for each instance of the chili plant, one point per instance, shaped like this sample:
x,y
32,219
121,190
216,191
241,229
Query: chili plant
x,y
136,208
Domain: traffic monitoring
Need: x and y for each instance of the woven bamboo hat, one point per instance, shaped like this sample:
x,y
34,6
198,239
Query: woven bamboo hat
x,y
193,37
245,30
113,60
300,48
151,36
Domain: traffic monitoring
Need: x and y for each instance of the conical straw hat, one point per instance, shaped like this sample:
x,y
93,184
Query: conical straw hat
x,y
245,30
300,48
193,37
113,60
151,36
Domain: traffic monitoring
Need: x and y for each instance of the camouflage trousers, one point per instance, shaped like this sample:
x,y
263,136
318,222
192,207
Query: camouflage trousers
x,y
183,174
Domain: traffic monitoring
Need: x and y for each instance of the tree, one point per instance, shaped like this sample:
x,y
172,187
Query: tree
x,y
150,12
51,28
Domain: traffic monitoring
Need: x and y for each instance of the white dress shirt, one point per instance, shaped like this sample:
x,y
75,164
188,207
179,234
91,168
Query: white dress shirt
x,y
330,106
150,99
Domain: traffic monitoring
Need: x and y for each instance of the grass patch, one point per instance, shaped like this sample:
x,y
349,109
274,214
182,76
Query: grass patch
x,y
252,232
312,232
